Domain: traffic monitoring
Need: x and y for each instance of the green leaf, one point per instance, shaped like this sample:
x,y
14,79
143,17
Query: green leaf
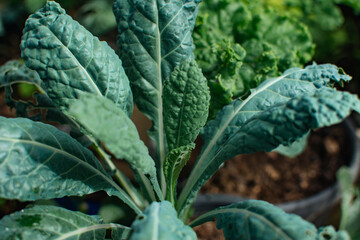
x,y
154,37
259,220
175,160
71,61
97,16
160,222
329,233
41,107
37,161
225,30
33,5
285,108
15,71
112,126
296,148
355,4
350,204
186,103
50,222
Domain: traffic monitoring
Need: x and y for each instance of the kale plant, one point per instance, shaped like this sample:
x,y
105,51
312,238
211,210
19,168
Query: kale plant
x,y
81,82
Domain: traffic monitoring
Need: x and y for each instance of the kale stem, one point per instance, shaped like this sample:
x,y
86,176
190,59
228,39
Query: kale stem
x,y
120,177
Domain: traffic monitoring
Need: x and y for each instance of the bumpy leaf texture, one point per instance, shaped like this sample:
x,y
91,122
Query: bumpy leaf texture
x,y
175,160
160,222
38,106
279,111
37,161
273,43
154,37
186,104
260,220
70,60
50,222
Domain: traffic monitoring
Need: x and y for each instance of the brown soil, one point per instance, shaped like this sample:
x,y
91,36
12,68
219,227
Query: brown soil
x,y
276,178
208,231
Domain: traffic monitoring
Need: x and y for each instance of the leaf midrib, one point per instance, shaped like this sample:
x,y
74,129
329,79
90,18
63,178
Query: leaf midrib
x,y
194,176
259,216
97,90
88,229
61,152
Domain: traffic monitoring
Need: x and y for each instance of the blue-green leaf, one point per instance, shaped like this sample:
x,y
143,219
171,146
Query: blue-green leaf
x,y
284,109
154,37
37,161
260,220
70,60
160,222
186,104
50,222
111,125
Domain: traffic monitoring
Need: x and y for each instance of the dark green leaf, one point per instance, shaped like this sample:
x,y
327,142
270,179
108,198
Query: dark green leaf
x,y
260,220
186,103
154,37
71,61
226,30
37,161
160,222
50,222
285,108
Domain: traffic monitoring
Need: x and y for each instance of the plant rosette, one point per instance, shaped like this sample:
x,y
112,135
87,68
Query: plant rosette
x,y
81,82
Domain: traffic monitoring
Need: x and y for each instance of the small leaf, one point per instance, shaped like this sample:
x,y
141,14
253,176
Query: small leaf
x,y
70,60
37,161
160,222
186,104
50,222
154,37
260,220
112,126
174,163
